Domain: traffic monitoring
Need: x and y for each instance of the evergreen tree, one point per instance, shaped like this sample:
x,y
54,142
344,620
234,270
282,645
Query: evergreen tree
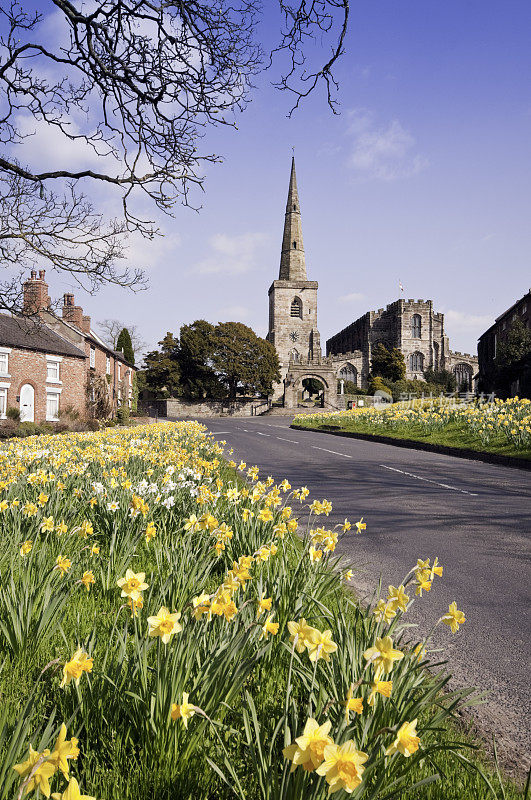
x,y
162,368
243,361
388,364
125,344
198,378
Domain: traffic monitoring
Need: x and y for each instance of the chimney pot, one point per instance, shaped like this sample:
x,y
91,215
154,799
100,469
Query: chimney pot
x,y
42,273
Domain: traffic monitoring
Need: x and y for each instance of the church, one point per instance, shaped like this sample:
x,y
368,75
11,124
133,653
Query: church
x,y
412,326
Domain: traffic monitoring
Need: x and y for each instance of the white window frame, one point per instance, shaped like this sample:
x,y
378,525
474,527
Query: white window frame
x,y
108,365
5,351
3,400
92,357
119,371
130,375
56,394
53,361
119,395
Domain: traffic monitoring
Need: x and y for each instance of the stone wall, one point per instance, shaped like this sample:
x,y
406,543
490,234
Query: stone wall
x,y
175,407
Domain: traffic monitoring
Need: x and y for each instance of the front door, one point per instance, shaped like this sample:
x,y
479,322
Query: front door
x,y
27,403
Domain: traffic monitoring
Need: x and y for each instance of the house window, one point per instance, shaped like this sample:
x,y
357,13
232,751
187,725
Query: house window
x,y
296,307
92,357
3,403
524,308
416,325
52,406
52,371
416,362
119,395
119,372
4,360
130,376
108,365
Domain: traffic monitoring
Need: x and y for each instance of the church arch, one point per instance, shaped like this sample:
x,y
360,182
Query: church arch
x,y
463,376
416,362
348,372
296,307
416,326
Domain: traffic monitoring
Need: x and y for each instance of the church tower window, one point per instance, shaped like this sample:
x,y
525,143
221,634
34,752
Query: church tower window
x,y
416,362
416,326
294,245
296,307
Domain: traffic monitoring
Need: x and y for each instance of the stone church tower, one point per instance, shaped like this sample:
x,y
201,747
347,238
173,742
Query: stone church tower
x,y
293,298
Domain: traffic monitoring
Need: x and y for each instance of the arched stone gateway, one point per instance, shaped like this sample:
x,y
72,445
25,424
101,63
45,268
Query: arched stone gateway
x,y
298,372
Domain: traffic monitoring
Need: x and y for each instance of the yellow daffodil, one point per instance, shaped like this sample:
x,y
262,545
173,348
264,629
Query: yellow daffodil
x,y
184,711
264,604
382,655
320,645
269,627
361,525
42,774
26,547
63,751
87,579
63,564
72,792
453,618
379,687
73,669
299,634
307,750
133,584
353,704
397,598
342,767
47,524
406,742
164,624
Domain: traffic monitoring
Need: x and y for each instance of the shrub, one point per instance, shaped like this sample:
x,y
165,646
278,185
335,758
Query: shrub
x,y
122,414
13,413
376,384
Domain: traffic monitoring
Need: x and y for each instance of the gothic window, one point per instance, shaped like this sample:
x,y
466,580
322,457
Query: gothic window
x,y
416,362
349,373
296,307
436,356
295,356
294,245
463,376
416,324
294,207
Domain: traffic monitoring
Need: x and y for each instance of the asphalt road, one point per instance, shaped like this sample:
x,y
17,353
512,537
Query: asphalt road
x,y
475,517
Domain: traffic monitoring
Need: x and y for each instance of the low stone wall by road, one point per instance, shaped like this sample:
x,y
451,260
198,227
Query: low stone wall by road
x,y
175,407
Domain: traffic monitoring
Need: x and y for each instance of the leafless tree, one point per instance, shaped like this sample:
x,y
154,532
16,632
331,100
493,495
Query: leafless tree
x,y
138,83
110,330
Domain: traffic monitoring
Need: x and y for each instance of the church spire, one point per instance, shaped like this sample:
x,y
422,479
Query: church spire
x,y
292,261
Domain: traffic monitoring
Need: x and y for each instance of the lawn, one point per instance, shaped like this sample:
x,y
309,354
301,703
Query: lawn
x,y
503,428
173,625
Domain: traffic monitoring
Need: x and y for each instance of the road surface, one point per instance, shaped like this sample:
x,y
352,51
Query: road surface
x,y
475,517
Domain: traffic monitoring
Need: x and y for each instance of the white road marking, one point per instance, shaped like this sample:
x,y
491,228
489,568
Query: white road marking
x,y
218,433
427,480
334,453
281,438
259,433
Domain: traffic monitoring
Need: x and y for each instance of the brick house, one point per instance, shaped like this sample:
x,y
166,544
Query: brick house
x,y
50,362
489,342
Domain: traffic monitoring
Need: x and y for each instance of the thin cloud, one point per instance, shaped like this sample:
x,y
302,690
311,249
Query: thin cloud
x,y
231,255
353,297
384,152
234,312
462,322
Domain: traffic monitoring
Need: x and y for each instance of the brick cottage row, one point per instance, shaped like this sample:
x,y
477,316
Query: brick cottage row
x,y
49,362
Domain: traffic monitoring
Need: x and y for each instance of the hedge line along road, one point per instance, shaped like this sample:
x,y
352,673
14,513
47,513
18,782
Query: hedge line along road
x,y
475,517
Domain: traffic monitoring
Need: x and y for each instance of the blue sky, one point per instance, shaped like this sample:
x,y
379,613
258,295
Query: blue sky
x,y
423,177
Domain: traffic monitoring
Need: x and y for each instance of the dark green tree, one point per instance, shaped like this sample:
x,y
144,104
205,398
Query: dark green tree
x,y
125,344
243,361
442,377
162,372
198,378
388,364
